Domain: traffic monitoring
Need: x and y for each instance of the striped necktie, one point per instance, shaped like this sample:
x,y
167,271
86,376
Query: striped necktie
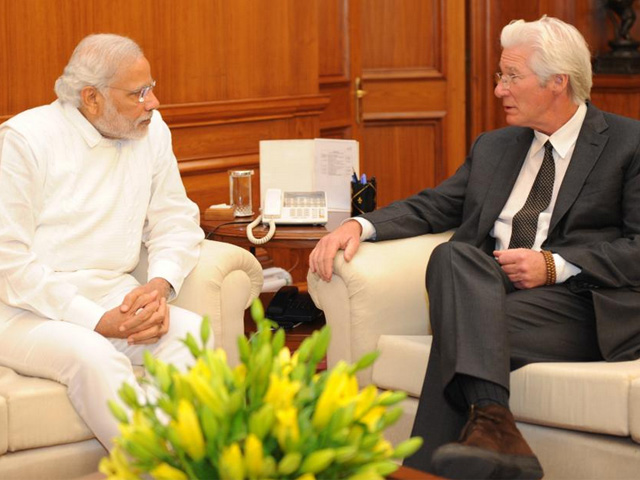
x,y
525,222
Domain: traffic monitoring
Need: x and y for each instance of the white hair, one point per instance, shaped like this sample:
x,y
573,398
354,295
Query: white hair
x,y
558,48
94,62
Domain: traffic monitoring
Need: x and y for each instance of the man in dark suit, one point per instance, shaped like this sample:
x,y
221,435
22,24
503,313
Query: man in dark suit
x,y
545,261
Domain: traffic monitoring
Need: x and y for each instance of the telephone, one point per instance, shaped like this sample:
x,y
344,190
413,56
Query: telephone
x,y
288,308
289,208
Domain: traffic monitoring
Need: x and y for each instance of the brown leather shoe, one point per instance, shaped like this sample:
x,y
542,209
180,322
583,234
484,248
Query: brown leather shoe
x,y
490,446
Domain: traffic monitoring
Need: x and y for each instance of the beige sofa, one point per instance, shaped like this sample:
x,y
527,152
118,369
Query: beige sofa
x,y
42,437
582,419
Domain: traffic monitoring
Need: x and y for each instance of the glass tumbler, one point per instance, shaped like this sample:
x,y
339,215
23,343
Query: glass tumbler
x,y
240,192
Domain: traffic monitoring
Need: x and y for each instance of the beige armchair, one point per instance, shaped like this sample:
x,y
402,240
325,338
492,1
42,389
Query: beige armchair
x,y
582,419
41,435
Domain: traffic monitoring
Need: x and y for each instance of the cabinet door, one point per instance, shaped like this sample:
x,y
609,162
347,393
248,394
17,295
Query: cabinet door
x,y
395,73
413,114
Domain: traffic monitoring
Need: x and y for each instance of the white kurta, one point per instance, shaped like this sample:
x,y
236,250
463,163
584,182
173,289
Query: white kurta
x,y
75,207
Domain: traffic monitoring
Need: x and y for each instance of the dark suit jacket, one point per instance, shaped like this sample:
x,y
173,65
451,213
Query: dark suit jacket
x,y
595,223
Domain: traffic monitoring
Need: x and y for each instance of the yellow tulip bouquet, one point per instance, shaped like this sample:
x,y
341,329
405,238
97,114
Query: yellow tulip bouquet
x,y
272,416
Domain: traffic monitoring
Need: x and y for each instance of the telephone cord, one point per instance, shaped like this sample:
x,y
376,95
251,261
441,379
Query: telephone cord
x,y
267,237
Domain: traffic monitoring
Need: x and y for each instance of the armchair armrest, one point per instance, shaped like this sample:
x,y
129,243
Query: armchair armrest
x,y
380,292
222,285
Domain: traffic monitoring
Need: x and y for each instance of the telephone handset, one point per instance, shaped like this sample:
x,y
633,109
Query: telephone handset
x,y
289,208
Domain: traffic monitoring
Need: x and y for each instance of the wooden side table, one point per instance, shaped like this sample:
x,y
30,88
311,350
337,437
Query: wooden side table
x,y
406,473
290,246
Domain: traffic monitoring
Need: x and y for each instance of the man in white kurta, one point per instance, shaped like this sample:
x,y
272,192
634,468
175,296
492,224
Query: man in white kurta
x,y
77,200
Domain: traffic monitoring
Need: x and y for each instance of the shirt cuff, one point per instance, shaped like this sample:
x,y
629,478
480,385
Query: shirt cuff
x,y
84,312
171,272
368,230
564,269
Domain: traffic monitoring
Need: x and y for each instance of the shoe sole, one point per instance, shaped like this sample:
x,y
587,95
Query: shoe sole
x,y
460,462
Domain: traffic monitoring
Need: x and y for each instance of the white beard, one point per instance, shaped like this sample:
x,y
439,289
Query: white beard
x,y
113,125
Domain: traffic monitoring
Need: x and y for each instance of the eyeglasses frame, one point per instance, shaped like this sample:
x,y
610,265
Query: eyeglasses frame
x,y
141,92
506,79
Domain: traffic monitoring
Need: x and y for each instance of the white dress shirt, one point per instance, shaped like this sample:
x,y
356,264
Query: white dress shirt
x,y
75,207
564,143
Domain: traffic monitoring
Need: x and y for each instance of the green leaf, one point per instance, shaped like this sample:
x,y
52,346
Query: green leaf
x,y
366,361
278,340
390,398
192,345
129,396
244,349
205,330
391,416
321,344
318,461
257,311
407,448
289,463
118,412
149,362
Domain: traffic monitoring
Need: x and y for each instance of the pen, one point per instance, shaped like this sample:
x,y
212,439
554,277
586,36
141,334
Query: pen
x,y
363,180
354,177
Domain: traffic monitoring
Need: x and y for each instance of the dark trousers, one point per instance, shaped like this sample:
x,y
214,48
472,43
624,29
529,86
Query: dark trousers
x,y
484,327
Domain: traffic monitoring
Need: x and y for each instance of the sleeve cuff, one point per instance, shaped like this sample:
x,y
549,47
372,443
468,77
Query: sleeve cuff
x,y
564,269
84,312
171,272
368,230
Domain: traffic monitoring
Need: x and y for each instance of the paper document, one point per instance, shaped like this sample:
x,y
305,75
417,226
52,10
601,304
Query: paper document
x,y
310,165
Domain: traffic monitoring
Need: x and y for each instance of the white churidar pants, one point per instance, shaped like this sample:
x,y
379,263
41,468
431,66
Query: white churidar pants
x,y
91,366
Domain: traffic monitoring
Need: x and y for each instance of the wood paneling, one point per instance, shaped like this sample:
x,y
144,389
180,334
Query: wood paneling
x,y
210,139
229,73
393,139
616,93
406,39
413,72
339,45
200,50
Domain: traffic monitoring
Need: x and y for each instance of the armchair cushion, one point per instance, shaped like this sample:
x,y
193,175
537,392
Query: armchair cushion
x,y
592,397
402,358
37,413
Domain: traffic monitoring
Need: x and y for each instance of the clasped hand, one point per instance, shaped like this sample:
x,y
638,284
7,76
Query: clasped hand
x,y
143,316
525,268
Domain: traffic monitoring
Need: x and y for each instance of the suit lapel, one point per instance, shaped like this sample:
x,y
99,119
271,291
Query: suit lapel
x,y
589,146
504,177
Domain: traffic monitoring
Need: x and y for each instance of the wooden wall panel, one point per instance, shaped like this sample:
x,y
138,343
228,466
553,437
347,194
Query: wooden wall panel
x,y
405,23
616,93
413,72
338,60
208,146
391,140
229,72
200,50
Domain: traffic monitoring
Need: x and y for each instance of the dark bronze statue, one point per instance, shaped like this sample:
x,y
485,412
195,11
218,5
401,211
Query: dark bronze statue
x,y
623,10
624,56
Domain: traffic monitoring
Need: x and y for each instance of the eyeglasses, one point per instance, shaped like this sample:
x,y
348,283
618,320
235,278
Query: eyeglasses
x,y
507,79
141,92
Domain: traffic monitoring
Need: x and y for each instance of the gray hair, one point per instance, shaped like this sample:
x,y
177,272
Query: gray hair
x,y
94,62
558,48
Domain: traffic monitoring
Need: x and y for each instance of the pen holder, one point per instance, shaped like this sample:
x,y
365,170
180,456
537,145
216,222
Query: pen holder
x,y
363,197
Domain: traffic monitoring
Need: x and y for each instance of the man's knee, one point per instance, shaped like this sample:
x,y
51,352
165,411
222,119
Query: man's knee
x,y
445,254
91,359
